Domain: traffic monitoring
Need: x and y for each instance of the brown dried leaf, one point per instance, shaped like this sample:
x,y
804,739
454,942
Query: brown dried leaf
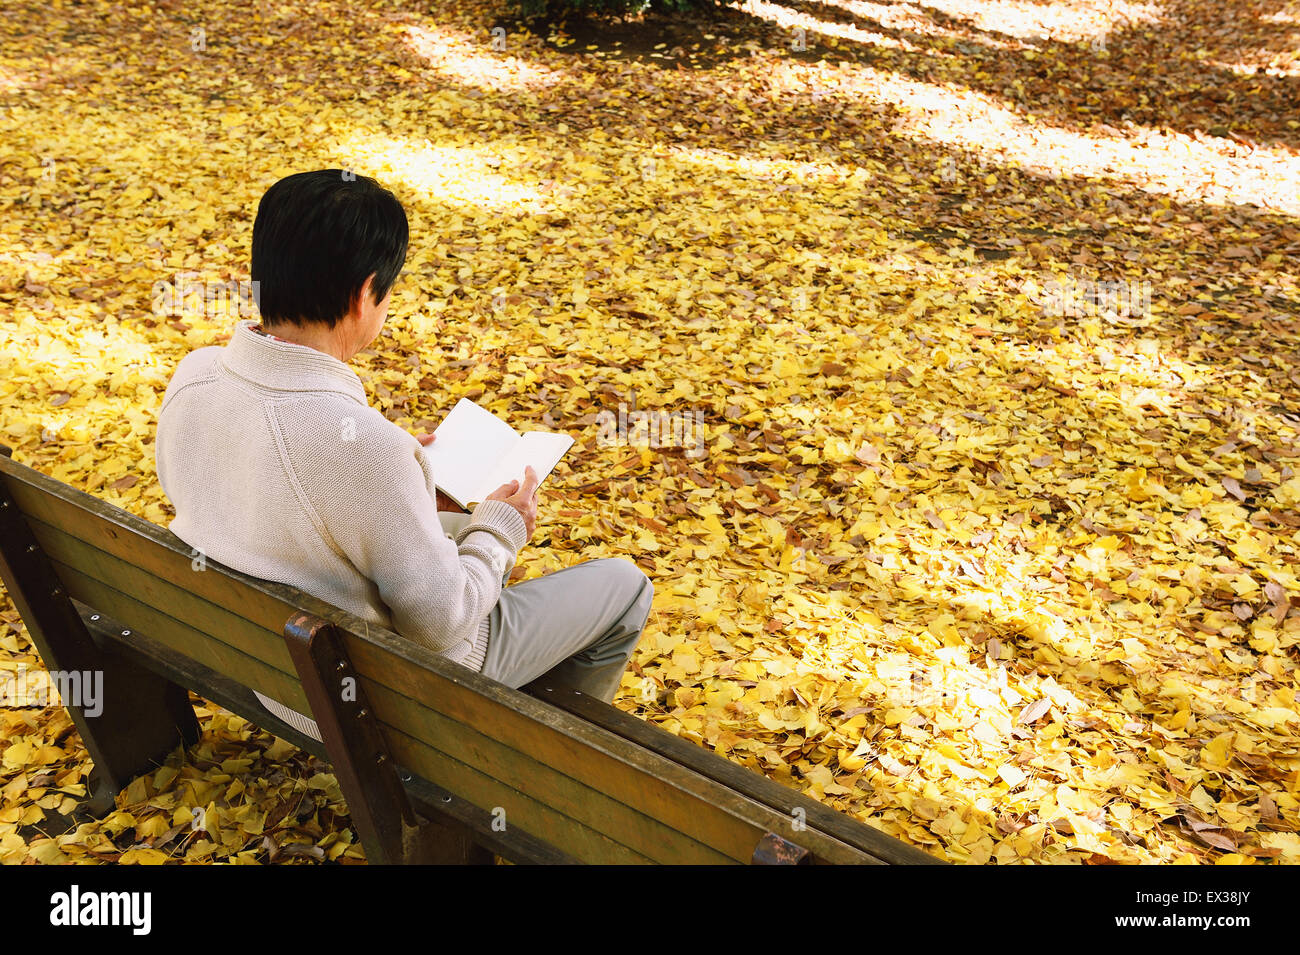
x,y
1034,711
1232,487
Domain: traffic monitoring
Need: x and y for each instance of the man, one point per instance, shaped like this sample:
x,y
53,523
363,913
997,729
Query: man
x,y
278,467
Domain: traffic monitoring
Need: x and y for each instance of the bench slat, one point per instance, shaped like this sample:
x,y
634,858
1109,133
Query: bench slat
x,y
687,800
626,822
156,551
532,809
181,637
234,629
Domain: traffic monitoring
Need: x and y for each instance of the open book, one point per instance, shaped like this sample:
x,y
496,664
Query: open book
x,y
476,452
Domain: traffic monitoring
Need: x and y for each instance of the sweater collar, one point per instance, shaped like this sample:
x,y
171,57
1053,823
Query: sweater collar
x,y
285,366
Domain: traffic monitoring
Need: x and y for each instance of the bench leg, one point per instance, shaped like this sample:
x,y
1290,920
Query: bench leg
x,y
138,717
389,828
444,843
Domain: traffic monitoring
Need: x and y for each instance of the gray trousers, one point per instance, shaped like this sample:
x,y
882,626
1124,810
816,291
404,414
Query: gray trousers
x,y
575,627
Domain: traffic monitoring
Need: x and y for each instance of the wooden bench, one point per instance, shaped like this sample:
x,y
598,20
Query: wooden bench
x,y
432,758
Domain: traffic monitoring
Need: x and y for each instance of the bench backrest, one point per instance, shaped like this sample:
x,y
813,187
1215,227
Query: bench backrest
x,y
563,779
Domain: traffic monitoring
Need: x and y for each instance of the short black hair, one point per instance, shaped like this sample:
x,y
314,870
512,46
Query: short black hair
x,y
317,237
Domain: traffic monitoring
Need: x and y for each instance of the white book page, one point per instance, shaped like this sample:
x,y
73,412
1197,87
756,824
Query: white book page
x,y
470,443
541,449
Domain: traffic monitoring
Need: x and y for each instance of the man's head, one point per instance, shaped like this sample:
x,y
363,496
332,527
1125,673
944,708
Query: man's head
x,y
320,238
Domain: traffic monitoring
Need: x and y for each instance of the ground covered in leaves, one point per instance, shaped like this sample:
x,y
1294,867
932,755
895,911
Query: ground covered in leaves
x,y
978,549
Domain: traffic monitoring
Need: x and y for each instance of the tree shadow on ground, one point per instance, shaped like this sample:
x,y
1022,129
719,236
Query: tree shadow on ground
x,y
1213,58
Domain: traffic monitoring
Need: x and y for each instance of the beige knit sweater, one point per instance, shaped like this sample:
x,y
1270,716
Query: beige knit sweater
x,y
278,467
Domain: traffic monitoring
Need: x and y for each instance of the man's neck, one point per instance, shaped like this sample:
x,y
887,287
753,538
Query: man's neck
x,y
327,340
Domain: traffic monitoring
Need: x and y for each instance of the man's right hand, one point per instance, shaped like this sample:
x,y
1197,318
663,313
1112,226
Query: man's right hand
x,y
522,498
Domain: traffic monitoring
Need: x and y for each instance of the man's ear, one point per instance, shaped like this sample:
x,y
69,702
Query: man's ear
x,y
363,295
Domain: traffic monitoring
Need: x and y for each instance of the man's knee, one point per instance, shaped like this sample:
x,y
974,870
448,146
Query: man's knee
x,y
631,585
627,576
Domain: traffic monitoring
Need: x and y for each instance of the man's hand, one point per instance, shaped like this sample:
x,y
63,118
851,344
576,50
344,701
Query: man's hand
x,y
442,501
522,498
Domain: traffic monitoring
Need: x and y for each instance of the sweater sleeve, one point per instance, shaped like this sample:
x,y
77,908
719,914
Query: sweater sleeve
x,y
372,502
